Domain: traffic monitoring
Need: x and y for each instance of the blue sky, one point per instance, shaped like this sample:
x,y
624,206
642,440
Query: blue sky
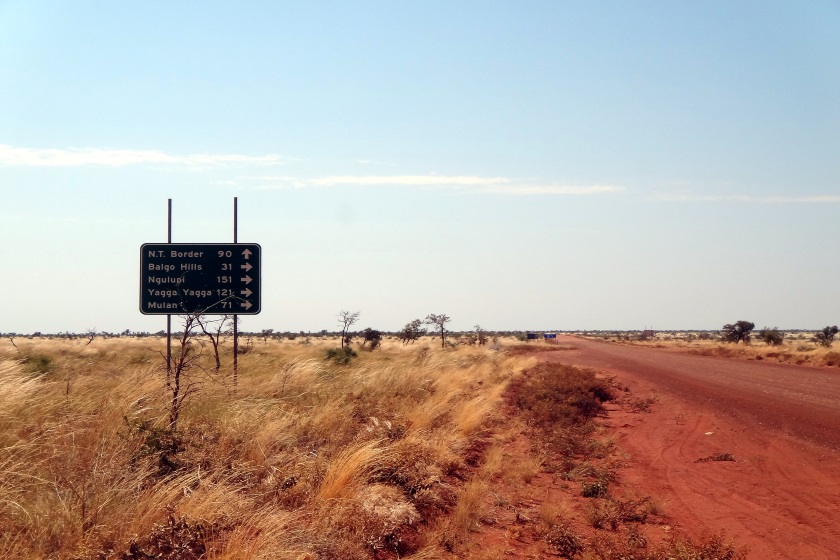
x,y
519,165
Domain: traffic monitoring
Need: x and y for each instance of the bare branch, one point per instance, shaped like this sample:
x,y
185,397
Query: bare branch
x,y
90,335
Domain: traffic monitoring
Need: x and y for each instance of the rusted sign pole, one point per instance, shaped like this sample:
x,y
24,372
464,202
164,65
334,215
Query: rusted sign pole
x,y
169,315
235,316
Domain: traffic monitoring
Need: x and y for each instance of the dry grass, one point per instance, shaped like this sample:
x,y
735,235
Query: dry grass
x,y
524,470
494,462
797,348
657,506
454,531
306,459
552,514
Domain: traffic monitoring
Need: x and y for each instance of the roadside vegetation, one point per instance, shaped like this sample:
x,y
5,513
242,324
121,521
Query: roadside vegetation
x,y
329,458
315,453
739,340
597,517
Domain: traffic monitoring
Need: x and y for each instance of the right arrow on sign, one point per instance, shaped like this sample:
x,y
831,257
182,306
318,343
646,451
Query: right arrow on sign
x,y
246,305
246,279
246,292
246,266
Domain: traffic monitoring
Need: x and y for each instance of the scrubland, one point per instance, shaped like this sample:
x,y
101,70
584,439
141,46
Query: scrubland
x,y
796,348
395,454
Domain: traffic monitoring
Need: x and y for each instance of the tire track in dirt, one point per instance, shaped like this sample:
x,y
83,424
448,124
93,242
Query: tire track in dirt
x,y
781,496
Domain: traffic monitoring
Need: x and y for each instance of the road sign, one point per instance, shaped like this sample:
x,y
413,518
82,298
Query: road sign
x,y
210,278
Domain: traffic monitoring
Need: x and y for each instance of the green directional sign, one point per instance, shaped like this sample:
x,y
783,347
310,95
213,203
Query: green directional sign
x,y
210,278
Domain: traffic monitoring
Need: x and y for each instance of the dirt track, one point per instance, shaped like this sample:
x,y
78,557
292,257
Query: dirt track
x,y
781,496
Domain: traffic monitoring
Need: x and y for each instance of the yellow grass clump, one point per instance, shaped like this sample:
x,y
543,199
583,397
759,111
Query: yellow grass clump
x,y
305,458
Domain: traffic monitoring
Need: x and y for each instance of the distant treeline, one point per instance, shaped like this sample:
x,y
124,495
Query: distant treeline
x,y
292,335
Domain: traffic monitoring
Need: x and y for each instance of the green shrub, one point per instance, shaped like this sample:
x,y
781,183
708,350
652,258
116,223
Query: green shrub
x,y
738,332
826,336
38,363
641,405
710,547
161,443
564,541
771,336
341,356
596,489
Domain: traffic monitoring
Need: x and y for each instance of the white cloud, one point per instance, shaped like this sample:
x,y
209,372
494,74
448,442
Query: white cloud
x,y
469,183
814,199
678,197
408,180
556,189
828,199
74,157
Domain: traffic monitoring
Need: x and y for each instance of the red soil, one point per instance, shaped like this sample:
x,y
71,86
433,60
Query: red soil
x,y
780,497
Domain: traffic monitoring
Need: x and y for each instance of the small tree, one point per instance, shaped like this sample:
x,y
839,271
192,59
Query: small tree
x,y
346,320
439,322
771,336
739,332
214,329
180,385
826,336
371,338
412,331
266,334
481,335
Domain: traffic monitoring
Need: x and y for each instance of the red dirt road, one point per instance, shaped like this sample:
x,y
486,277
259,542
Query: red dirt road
x,y
781,496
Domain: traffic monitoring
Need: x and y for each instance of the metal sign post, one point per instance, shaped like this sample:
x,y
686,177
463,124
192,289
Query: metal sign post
x,y
235,316
169,315
201,279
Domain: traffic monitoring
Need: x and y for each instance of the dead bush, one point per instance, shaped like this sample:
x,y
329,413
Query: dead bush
x,y
557,395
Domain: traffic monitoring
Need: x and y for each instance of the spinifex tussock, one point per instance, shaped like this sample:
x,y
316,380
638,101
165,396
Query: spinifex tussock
x,y
16,387
307,457
351,466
